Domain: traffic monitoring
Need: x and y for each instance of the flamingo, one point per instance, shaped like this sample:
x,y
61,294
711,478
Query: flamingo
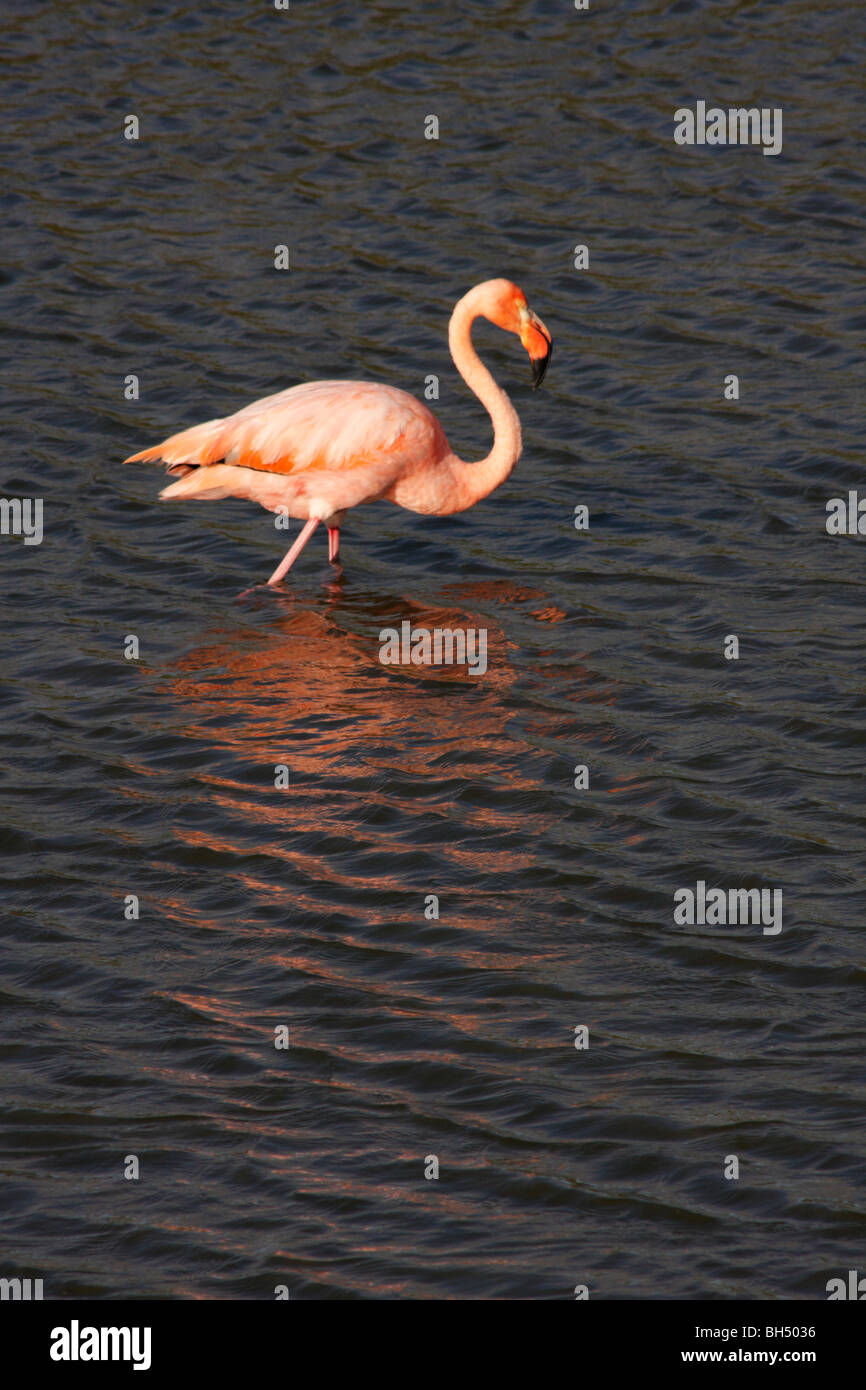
x,y
314,451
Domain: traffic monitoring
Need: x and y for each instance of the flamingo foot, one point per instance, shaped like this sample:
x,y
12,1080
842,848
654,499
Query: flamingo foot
x,y
286,564
333,543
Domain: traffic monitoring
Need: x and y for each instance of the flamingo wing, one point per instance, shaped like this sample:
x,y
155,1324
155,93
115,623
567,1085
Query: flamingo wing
x,y
327,425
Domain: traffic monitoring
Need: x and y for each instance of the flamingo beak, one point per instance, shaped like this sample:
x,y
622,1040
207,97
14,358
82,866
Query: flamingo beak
x,y
536,339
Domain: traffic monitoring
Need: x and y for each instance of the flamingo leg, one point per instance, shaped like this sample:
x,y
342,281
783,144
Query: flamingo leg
x,y
333,543
286,563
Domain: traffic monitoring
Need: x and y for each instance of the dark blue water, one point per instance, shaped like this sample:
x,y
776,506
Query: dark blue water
x,y
413,1036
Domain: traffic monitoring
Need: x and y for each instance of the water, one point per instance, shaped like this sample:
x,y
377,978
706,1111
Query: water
x,y
412,1036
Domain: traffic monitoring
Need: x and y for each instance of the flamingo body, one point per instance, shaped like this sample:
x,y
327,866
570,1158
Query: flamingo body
x,y
316,450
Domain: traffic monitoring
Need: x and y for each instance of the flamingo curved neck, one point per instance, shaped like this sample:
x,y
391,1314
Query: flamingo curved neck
x,y
477,480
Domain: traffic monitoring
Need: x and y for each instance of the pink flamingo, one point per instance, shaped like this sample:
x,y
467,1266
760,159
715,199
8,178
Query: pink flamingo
x,y
316,450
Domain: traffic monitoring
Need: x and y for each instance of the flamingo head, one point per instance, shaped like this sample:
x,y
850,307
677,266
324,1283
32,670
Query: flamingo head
x,y
508,309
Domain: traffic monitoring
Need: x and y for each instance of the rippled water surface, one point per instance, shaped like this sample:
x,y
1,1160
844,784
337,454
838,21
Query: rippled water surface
x,y
411,1036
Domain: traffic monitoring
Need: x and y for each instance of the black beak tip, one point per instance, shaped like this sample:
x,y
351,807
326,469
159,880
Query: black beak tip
x,y
539,367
